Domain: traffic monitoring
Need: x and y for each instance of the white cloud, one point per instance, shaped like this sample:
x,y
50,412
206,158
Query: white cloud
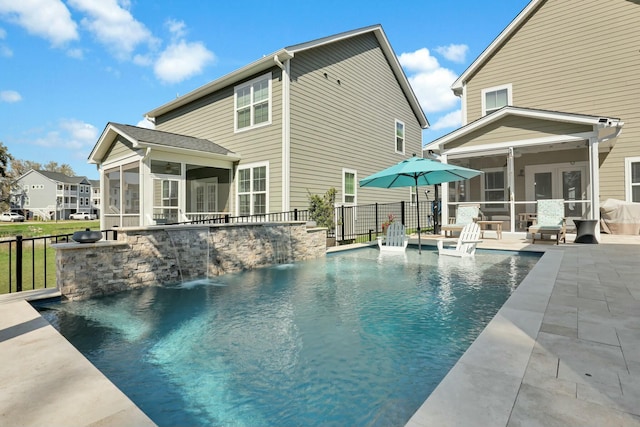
x,y
49,19
71,134
181,60
10,96
420,60
176,28
3,34
454,52
448,121
113,25
430,81
147,124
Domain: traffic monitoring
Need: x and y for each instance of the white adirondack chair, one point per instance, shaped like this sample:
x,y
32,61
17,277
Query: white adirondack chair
x,y
396,239
465,245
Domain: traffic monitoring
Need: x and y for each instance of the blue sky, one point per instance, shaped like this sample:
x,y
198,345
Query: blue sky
x,y
67,67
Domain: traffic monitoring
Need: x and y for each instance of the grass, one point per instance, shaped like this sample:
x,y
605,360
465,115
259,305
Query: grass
x,y
38,264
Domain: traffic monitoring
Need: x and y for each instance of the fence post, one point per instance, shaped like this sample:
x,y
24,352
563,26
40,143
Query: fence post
x,y
377,219
343,221
402,219
18,263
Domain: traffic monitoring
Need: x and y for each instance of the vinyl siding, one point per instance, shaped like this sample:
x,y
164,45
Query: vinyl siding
x,y
346,119
512,128
39,198
212,117
576,56
120,148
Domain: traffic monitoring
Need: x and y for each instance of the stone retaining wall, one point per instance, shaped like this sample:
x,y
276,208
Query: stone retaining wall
x,y
174,254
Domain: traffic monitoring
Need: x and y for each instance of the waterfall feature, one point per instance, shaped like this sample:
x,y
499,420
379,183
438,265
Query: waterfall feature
x,y
175,253
282,249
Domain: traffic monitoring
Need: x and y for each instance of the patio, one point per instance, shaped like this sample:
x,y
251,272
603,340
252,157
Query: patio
x,y
567,344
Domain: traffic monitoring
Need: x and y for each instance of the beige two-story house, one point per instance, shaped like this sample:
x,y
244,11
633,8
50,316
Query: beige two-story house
x,y
307,118
550,111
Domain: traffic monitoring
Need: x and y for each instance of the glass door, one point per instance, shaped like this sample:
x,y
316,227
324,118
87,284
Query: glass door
x,y
559,181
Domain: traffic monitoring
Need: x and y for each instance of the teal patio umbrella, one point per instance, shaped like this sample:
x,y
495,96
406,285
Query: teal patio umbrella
x,y
417,171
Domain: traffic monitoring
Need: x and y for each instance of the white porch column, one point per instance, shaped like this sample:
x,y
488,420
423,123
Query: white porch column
x,y
444,195
594,181
510,187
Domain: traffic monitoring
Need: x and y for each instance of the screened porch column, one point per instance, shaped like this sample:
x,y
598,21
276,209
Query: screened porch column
x,y
510,188
444,206
594,181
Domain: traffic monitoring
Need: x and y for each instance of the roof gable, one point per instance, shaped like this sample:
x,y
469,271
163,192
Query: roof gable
x,y
276,59
495,45
485,122
143,137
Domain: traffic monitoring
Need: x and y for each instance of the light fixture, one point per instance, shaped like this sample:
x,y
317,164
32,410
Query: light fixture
x,y
521,173
168,168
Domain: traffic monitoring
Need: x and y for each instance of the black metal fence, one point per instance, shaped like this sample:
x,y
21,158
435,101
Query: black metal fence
x,y
30,263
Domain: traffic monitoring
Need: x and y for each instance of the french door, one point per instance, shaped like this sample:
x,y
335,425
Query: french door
x,y
560,181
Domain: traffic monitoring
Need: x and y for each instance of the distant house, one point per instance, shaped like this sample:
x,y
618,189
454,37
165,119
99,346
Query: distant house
x,y
51,195
307,118
550,110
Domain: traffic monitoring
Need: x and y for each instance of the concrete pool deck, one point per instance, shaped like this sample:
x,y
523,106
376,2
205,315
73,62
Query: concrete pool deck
x,y
564,350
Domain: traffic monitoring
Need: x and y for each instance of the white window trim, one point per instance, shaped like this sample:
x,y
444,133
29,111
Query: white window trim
x,y
504,189
250,83
355,187
627,176
395,136
252,166
509,88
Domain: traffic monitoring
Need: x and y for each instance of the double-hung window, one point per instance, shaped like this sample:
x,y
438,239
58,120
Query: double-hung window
x,y
252,189
253,103
494,189
632,179
399,137
349,195
495,98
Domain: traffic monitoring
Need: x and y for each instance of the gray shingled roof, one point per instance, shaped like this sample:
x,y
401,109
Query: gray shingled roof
x,y
60,177
168,139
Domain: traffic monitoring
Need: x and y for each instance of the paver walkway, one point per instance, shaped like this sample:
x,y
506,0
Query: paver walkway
x,y
563,351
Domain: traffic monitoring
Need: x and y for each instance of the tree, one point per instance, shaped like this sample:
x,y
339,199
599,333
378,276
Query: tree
x,y
5,177
5,160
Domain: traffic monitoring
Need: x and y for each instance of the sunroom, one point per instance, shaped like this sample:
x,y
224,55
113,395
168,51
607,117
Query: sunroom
x,y
527,155
149,177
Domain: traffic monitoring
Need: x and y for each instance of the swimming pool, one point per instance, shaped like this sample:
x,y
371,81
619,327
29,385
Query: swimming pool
x,y
353,339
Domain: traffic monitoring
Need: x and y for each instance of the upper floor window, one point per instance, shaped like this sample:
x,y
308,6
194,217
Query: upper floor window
x,y
399,137
253,103
632,179
495,98
349,186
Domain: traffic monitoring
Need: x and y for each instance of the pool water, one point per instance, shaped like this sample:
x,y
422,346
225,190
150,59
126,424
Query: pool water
x,y
355,338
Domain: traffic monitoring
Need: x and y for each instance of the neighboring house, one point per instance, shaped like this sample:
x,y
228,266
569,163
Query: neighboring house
x,y
95,196
302,120
51,195
551,110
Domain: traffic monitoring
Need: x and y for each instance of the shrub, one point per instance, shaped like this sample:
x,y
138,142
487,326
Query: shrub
x,y
321,208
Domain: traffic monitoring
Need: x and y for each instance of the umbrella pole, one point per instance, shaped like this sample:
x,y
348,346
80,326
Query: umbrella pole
x,y
418,211
435,211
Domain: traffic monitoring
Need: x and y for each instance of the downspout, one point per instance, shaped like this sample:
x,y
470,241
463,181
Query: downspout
x,y
286,132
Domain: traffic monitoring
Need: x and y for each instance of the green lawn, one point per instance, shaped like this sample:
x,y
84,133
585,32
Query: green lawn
x,y
36,262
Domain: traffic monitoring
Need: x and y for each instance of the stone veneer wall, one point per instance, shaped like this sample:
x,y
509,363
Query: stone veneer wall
x,y
173,254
